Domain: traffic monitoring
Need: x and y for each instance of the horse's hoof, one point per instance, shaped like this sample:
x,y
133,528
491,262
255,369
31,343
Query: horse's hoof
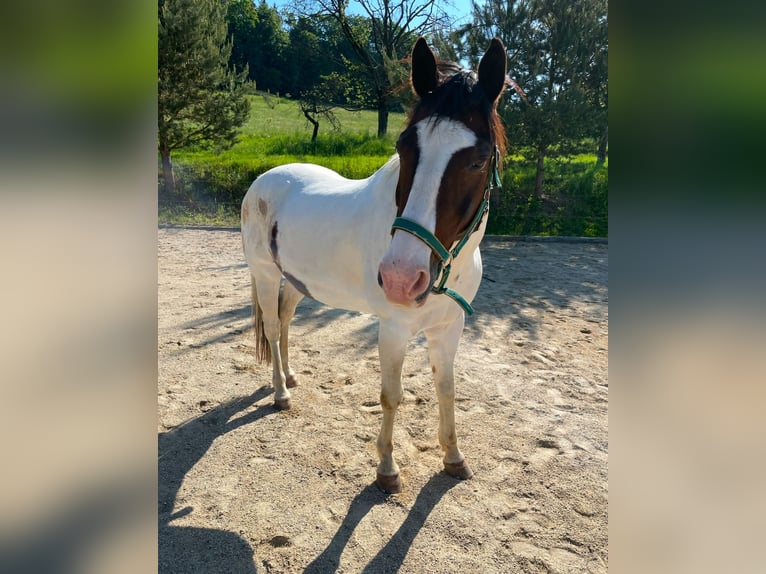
x,y
291,382
458,469
282,404
391,484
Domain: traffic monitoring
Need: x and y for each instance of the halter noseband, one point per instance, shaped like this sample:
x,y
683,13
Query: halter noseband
x,y
446,257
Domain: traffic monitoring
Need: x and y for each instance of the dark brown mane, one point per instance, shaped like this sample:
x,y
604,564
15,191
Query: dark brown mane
x,y
459,91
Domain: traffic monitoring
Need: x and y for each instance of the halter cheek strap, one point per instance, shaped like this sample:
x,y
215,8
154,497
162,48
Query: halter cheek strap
x,y
446,257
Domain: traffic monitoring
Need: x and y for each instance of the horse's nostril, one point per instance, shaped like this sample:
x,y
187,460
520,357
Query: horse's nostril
x,y
420,284
402,286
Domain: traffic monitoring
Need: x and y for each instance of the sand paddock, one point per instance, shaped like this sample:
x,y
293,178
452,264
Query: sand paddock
x,y
244,488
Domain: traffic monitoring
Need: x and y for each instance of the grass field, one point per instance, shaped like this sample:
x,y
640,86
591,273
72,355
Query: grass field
x,y
272,115
277,133
211,183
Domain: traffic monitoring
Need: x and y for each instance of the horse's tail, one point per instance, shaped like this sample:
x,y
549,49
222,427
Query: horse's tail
x,y
262,347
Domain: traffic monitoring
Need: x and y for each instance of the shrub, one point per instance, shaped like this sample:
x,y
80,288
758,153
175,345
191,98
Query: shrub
x,y
574,202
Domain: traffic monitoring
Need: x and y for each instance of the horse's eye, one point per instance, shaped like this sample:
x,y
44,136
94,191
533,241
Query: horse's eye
x,y
477,164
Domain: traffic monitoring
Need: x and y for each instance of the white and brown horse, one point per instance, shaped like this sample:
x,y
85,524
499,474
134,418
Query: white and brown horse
x,y
402,244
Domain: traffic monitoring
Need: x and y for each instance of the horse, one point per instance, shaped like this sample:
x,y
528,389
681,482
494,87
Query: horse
x,y
402,244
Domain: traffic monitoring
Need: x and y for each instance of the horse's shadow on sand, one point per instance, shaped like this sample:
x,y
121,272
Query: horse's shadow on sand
x,y
392,555
184,549
191,549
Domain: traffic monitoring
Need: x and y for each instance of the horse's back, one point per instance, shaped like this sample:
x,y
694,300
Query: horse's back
x,y
309,184
280,182
265,202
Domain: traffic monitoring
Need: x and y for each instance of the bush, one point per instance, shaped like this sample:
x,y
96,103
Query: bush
x,y
201,182
574,202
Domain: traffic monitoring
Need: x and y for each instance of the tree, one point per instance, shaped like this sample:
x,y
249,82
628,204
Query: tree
x,y
200,99
557,54
305,59
389,30
311,53
314,104
258,42
267,61
597,83
242,19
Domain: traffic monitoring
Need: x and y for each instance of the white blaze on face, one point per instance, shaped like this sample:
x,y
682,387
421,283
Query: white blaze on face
x,y
408,258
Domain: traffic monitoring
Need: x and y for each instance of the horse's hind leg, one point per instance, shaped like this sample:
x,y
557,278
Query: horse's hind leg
x,y
267,283
442,346
288,301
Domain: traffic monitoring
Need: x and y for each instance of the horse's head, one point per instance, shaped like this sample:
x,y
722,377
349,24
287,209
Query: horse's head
x,y
447,154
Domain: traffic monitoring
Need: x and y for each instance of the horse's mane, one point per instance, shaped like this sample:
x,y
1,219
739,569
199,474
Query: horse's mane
x,y
459,90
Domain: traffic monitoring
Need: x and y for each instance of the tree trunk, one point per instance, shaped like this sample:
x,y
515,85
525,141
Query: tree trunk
x,y
494,198
313,122
382,117
601,152
167,171
540,172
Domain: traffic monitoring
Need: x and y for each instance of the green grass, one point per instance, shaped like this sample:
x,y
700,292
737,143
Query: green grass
x,y
217,215
574,201
211,184
276,126
277,133
272,116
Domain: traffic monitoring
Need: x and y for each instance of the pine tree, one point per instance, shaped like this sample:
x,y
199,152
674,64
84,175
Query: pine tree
x,y
557,53
201,100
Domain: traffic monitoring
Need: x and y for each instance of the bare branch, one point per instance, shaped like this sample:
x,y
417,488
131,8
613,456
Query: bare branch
x,y
392,23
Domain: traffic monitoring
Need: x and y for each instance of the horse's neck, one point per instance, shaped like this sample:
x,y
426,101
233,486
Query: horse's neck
x,y
383,182
465,257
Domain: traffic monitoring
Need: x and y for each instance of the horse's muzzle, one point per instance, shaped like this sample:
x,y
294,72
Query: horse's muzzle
x,y
404,285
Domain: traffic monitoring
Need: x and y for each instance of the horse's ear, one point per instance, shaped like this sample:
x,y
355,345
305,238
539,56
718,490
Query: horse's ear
x,y
492,69
424,76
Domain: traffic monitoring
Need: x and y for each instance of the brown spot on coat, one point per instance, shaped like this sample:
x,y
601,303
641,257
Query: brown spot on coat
x,y
273,244
245,213
298,284
263,207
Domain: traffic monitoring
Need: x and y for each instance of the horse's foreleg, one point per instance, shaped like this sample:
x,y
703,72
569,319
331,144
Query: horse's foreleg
x,y
392,345
442,346
267,285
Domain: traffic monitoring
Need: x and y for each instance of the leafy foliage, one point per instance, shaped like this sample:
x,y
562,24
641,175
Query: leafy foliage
x,y
268,62
557,54
576,204
201,101
331,62
242,20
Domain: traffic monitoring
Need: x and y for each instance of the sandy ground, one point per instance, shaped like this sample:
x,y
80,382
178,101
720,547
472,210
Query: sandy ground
x,y
244,488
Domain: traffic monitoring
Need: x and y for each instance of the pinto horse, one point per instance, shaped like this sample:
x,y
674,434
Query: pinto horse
x,y
402,244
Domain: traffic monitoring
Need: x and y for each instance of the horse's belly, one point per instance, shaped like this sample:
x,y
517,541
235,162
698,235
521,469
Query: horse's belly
x,y
328,261
335,282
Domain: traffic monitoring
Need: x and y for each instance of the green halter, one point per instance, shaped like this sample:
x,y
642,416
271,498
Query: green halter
x,y
446,257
